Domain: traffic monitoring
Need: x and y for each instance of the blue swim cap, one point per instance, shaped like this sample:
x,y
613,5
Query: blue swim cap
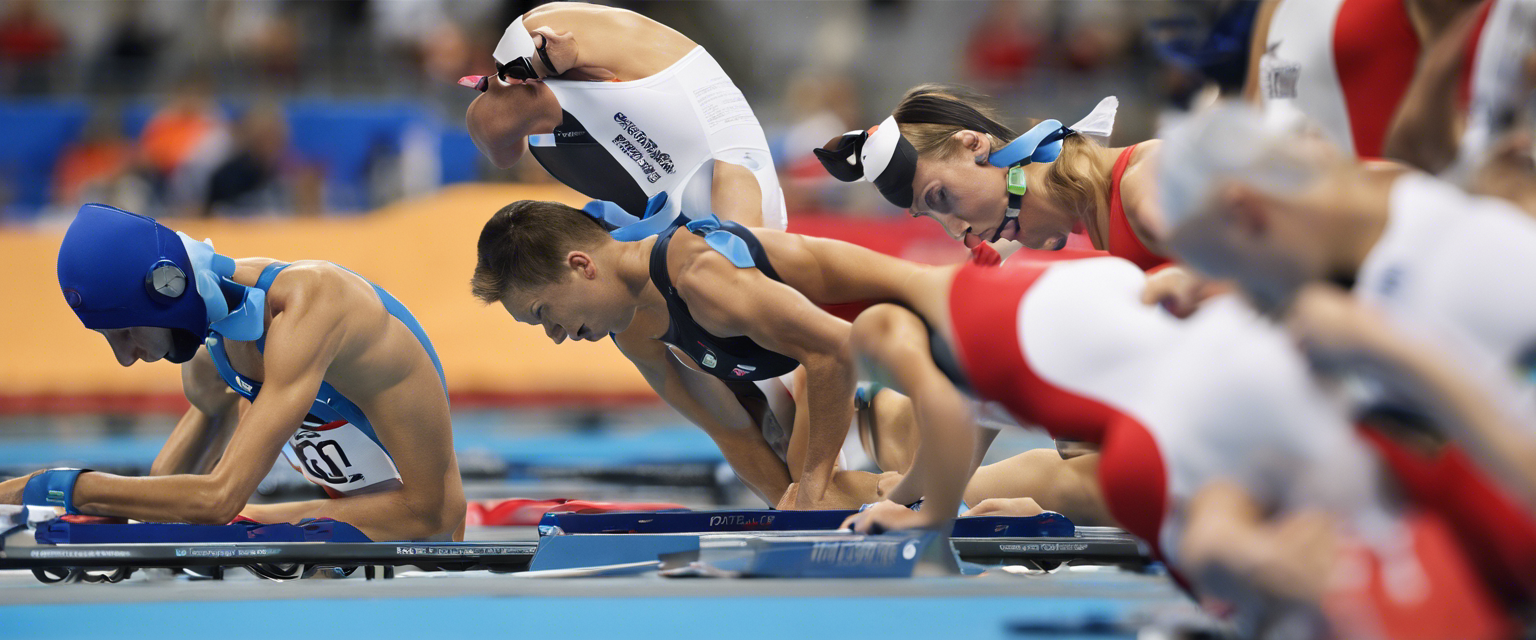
x,y
106,266
119,270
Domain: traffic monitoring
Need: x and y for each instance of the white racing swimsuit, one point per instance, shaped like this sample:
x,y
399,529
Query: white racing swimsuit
x,y
1459,268
627,141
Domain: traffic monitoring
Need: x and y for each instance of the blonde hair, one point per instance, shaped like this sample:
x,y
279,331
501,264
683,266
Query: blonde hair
x,y
930,115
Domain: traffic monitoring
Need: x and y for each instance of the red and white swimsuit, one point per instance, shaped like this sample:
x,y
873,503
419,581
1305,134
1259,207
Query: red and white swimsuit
x,y
1174,405
1123,241
1069,346
1345,64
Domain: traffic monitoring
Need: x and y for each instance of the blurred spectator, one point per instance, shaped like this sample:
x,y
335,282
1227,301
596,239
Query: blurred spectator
x,y
100,168
1002,45
29,41
128,59
1098,35
182,143
263,175
819,107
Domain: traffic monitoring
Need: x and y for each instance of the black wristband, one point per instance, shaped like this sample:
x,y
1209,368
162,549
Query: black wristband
x,y
544,56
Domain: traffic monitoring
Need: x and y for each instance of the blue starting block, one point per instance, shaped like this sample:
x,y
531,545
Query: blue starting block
x,y
573,552
1045,525
893,555
811,555
58,531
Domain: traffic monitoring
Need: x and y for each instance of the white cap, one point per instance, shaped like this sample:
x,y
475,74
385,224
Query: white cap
x,y
515,43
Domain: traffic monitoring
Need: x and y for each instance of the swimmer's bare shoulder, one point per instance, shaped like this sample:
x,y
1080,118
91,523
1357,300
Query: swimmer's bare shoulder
x,y
341,308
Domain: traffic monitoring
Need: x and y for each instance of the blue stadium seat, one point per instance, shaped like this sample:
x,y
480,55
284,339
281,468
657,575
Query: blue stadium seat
x,y
346,139
35,134
460,158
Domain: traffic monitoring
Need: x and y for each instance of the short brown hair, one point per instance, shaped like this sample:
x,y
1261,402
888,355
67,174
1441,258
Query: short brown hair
x,y
525,244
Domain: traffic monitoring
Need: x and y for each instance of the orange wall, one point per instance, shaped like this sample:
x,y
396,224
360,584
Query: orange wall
x,y
422,251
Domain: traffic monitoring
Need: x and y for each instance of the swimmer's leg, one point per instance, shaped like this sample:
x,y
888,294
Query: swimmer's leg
x,y
1040,479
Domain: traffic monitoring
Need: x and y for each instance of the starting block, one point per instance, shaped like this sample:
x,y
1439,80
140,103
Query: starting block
x,y
1045,525
805,543
776,555
61,551
59,531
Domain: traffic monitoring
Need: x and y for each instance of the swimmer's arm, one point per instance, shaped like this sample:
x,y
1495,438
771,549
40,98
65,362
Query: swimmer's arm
x,y
1228,535
892,343
744,448
731,301
1223,528
1256,48
835,272
1428,123
735,195
1480,411
204,430
413,417
301,343
1502,444
591,40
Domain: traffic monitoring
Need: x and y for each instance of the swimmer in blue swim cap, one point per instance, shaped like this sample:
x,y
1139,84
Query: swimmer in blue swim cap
x,y
306,360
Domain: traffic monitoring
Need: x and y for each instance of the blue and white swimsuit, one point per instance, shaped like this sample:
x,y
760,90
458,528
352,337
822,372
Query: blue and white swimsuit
x,y
336,446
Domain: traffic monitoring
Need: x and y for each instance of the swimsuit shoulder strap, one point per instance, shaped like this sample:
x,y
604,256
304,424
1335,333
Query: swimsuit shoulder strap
x,y
659,275
1123,240
264,282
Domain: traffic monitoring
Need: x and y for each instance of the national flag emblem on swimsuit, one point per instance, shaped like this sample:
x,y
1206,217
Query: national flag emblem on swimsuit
x,y
709,361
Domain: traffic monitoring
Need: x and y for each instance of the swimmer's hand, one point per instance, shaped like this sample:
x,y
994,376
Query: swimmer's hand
x,y
1016,507
1176,289
1298,560
848,490
889,516
11,491
565,55
1334,330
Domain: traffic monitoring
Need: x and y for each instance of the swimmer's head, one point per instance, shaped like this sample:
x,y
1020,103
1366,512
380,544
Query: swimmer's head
x,y
500,119
545,263
133,344
950,133
511,104
1240,200
138,283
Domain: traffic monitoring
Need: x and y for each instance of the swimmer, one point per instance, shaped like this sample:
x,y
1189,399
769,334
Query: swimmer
x,y
1180,408
739,306
622,108
1345,65
945,154
333,373
1283,211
